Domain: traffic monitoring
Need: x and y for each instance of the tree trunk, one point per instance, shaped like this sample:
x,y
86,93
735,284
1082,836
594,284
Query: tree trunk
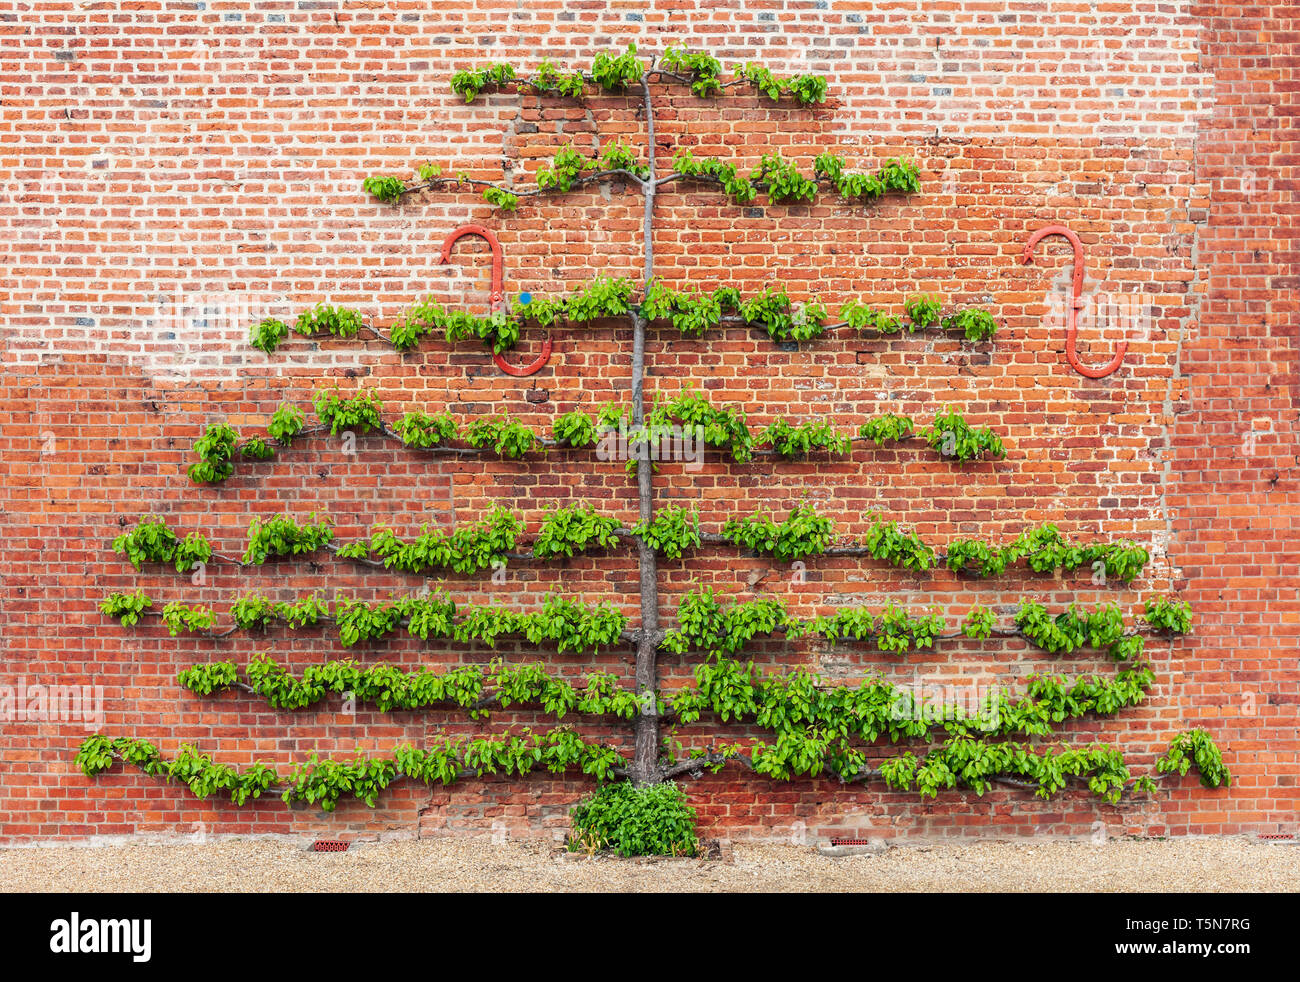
x,y
645,756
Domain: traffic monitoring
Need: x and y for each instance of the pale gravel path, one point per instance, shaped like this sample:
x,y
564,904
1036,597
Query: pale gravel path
x,y
1227,864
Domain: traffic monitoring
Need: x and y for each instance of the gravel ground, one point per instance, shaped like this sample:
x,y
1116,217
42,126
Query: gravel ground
x,y
254,865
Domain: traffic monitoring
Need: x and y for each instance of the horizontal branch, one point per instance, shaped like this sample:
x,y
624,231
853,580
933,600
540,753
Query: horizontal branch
x,y
325,782
691,421
696,766
489,699
665,324
598,177
553,623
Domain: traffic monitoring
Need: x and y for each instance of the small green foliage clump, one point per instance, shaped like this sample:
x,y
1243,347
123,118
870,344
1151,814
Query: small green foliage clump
x,y
384,187
184,617
979,622
700,68
900,631
267,335
723,429
782,319
671,532
508,438
253,612
1169,614
286,423
905,550
741,190
631,821
863,317
498,329
617,155
975,325
889,428
894,175
339,322
782,180
501,198
216,450
282,536
792,442
470,82
923,312
565,171
616,72
1196,747
467,549
576,529
152,541
1075,628
953,437
692,315
803,533
548,80
574,429
255,448
704,624
126,607
205,679
1045,549
804,89
359,413
604,296
421,319
421,430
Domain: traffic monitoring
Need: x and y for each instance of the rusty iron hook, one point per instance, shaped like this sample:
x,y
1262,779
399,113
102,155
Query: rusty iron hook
x,y
497,296
1076,303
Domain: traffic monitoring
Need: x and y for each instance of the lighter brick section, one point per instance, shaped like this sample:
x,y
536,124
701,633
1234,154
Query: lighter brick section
x,y
189,334
1016,70
1008,70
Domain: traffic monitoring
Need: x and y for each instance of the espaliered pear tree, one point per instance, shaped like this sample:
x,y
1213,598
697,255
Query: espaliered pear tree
x,y
817,728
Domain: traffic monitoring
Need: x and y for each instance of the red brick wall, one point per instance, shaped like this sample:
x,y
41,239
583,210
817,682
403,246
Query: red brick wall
x,y
175,171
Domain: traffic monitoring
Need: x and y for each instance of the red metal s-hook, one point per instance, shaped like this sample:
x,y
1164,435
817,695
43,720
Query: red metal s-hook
x,y
1076,303
532,368
497,296
498,262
